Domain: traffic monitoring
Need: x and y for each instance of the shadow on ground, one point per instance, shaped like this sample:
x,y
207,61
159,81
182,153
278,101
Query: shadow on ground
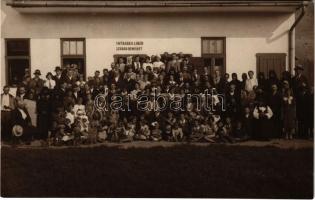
x,y
216,171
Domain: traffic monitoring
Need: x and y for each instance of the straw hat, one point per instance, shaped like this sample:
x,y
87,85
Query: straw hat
x,y
17,130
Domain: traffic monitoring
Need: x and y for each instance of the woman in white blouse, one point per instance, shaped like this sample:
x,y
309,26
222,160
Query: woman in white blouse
x,y
158,63
147,64
49,82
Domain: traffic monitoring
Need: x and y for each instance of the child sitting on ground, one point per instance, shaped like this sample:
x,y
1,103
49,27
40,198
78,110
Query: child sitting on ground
x,y
209,134
84,127
65,136
93,132
112,135
79,106
127,136
76,133
177,133
144,131
156,134
196,134
102,132
168,133
119,132
224,132
184,124
69,113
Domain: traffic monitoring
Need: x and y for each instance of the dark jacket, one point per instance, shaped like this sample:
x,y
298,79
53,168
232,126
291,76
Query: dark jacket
x,y
17,118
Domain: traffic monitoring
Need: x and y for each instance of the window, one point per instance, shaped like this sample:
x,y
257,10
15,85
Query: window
x,y
213,52
73,53
270,61
17,54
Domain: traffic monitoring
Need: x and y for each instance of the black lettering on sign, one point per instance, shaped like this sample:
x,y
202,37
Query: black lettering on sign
x,y
129,45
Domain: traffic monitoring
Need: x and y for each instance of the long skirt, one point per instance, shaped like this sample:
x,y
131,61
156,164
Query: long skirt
x,y
263,129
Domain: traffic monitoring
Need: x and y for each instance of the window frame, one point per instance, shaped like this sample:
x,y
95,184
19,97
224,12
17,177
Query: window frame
x,y
221,55
62,56
7,57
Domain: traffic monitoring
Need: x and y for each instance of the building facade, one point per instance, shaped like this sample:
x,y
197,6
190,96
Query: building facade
x,y
235,37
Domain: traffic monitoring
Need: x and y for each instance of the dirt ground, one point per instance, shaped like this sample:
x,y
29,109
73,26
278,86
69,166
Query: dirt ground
x,y
252,169
279,143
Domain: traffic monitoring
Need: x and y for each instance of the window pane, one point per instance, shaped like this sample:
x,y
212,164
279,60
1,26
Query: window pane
x,y
219,46
213,46
216,46
73,48
205,47
65,48
80,47
16,70
18,48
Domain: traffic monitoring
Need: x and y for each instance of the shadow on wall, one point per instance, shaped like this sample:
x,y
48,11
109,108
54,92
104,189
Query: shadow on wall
x,y
273,38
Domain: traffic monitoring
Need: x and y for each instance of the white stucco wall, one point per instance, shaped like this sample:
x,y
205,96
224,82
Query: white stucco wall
x,y
45,54
246,34
3,75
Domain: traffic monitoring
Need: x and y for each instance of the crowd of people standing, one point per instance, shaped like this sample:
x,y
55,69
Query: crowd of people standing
x,y
255,107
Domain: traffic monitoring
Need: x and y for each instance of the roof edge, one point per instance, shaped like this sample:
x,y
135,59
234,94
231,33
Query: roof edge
x,y
154,3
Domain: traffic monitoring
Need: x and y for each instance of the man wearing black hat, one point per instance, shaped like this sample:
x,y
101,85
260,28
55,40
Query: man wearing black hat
x,y
299,79
303,108
37,83
300,91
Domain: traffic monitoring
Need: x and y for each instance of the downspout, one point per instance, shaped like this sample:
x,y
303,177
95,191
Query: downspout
x,y
291,48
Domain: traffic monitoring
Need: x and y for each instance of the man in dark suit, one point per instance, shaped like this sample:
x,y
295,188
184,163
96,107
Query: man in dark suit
x,y
76,93
247,122
58,95
299,80
69,77
21,117
37,83
237,83
105,77
117,79
44,113
303,107
7,105
57,77
233,100
129,83
274,100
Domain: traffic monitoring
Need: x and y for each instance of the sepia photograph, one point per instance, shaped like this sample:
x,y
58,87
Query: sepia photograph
x,y
157,99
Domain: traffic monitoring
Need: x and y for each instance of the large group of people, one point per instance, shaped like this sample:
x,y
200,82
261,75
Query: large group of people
x,y
254,107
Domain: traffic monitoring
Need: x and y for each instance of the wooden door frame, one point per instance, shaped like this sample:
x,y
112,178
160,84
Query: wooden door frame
x,y
6,70
74,56
223,55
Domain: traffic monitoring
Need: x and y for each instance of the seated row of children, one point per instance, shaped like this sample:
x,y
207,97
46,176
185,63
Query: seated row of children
x,y
73,127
